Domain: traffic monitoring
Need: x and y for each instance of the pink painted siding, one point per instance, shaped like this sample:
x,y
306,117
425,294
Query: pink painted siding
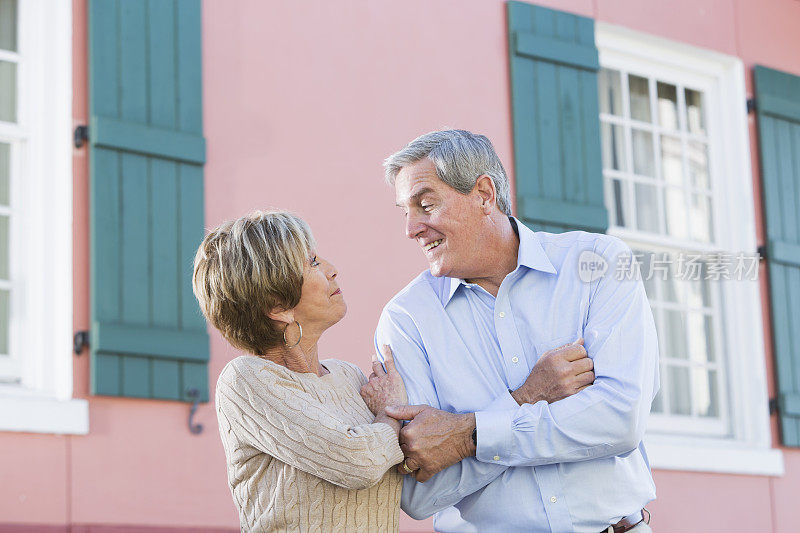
x,y
302,103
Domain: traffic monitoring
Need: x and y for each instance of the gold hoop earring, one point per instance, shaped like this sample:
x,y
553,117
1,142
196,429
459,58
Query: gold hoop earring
x,y
298,340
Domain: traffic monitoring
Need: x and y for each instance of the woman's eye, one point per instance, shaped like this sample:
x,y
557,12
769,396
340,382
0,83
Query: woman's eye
x,y
314,261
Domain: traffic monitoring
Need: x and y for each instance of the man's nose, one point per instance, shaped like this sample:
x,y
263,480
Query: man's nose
x,y
414,226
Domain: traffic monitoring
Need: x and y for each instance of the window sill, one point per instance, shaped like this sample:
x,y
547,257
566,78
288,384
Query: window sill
x,y
713,455
42,414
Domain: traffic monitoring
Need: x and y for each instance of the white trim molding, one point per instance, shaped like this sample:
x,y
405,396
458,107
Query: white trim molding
x,y
745,446
37,414
42,400
712,455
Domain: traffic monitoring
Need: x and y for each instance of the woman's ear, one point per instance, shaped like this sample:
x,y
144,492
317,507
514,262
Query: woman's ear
x,y
279,314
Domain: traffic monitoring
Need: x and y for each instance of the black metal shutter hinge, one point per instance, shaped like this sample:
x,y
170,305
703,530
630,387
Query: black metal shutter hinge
x,y
751,105
773,406
80,136
80,341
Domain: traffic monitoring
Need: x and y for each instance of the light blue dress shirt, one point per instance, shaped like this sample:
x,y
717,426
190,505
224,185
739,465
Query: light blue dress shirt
x,y
578,464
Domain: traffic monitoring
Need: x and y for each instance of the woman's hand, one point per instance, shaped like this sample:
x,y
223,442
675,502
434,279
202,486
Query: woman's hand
x,y
384,387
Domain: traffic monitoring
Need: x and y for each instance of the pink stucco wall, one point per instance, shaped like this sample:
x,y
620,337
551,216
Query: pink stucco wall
x,y
302,102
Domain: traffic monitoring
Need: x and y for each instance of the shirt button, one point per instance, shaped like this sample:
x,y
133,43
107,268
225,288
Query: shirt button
x,y
496,457
502,314
515,359
553,499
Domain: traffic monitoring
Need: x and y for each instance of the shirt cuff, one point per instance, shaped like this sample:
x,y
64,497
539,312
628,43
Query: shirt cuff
x,y
495,434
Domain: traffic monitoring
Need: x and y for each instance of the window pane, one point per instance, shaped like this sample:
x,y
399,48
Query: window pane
x,y
645,261
675,334
701,218
613,147
680,400
4,322
5,172
706,393
700,345
675,211
646,207
8,25
640,98
699,290
671,165
658,402
697,154
667,106
8,91
4,251
643,159
620,195
694,112
610,92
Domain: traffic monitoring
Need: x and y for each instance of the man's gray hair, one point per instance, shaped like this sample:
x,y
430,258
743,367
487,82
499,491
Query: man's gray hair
x,y
460,157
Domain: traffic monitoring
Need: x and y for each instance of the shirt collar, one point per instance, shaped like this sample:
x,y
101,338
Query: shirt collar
x,y
530,255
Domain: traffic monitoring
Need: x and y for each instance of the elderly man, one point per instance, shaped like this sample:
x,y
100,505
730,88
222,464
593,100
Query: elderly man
x,y
515,429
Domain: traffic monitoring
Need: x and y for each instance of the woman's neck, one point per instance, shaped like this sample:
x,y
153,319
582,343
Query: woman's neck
x,y
302,358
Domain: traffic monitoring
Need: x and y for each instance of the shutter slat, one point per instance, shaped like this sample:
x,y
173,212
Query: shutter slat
x,y
164,235
544,210
134,240
165,343
140,138
558,169
778,108
556,51
148,338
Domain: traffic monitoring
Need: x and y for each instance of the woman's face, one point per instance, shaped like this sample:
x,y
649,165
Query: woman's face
x,y
321,301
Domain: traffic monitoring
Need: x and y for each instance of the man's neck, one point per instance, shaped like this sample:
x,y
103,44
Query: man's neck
x,y
500,254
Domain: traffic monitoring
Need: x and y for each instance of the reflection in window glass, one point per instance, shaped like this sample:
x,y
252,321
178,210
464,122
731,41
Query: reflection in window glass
x,y
8,91
640,98
610,92
680,400
667,106
694,112
5,173
697,156
646,207
613,147
8,25
643,159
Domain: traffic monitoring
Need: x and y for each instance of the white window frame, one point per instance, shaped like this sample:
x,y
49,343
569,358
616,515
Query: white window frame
x,y
41,241
748,448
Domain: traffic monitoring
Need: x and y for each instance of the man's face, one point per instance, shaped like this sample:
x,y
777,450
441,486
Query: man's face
x,y
444,222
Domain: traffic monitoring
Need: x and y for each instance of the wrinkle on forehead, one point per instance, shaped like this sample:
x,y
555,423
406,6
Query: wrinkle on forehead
x,y
421,178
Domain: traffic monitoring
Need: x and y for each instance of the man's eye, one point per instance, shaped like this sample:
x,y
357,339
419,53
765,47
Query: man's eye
x,y
427,208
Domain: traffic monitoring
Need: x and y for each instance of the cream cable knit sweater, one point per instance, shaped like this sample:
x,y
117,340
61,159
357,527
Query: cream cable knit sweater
x,y
303,452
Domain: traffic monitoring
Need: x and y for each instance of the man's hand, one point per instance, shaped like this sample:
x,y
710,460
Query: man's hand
x,y
384,387
559,373
433,439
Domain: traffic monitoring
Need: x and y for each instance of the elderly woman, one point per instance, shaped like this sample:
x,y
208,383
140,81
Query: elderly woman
x,y
305,452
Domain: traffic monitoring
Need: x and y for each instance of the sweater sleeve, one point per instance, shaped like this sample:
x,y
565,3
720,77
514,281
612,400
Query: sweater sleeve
x,y
282,420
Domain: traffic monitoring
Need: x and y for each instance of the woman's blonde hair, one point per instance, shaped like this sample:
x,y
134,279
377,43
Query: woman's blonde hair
x,y
246,267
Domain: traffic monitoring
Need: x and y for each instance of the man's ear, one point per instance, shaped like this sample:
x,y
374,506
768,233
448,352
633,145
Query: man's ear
x,y
484,186
278,314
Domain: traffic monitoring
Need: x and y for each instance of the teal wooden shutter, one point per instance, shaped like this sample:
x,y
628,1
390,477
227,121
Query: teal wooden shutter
x,y
148,338
556,119
778,108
